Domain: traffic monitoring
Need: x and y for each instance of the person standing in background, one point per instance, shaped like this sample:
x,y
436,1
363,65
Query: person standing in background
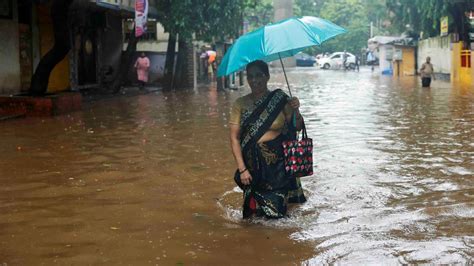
x,y
357,63
426,72
142,65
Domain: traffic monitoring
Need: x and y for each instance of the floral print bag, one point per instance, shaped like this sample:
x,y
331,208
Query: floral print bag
x,y
299,155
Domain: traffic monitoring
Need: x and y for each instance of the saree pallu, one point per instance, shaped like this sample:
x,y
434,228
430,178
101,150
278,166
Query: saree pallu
x,y
271,189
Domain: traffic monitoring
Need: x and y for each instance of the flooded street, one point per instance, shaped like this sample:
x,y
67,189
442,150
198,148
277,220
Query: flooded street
x,y
149,179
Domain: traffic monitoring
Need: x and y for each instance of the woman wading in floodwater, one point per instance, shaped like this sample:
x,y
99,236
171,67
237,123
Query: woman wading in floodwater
x,y
259,123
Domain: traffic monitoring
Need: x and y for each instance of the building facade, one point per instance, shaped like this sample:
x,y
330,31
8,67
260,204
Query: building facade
x,y
96,29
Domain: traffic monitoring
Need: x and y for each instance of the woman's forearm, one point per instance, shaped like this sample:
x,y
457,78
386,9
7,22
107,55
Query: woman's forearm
x,y
237,152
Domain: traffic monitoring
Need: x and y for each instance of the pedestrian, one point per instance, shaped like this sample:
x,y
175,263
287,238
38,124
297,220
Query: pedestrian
x,y
344,60
210,71
371,60
259,123
427,72
204,57
142,65
211,64
357,63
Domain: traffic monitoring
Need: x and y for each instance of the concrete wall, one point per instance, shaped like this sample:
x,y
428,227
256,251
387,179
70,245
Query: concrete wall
x,y
385,64
10,77
152,46
157,66
438,48
160,45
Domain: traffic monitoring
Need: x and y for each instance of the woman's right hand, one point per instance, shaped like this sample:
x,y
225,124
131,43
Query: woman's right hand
x,y
246,178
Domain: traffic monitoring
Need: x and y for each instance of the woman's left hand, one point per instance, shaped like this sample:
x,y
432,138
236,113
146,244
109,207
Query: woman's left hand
x,y
295,103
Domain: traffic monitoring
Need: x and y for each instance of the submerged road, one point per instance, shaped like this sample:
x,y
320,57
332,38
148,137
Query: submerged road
x,y
148,179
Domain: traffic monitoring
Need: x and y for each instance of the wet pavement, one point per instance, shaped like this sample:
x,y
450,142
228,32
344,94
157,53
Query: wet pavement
x,y
147,179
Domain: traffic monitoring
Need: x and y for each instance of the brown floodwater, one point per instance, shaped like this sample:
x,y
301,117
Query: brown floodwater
x,y
148,179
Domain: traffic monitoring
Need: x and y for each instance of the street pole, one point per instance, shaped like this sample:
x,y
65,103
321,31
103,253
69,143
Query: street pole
x,y
371,29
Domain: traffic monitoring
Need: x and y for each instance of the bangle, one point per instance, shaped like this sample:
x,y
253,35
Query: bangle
x,y
243,171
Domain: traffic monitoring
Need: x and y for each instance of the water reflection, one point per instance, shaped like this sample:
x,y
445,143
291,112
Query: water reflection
x,y
148,179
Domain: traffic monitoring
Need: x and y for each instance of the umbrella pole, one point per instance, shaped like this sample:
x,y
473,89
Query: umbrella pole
x,y
284,72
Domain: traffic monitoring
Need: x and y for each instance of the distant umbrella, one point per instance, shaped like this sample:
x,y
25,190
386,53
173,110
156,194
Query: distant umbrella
x,y
211,55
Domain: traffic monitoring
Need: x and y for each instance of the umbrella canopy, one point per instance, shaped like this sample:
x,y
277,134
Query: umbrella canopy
x,y
282,39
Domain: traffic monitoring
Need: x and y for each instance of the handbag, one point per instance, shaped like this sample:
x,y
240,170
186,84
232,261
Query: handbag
x,y
299,155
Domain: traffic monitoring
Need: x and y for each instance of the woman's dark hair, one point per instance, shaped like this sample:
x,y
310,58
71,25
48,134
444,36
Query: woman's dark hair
x,y
261,65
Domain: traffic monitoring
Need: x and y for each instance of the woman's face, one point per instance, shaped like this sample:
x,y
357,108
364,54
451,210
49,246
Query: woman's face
x,y
257,79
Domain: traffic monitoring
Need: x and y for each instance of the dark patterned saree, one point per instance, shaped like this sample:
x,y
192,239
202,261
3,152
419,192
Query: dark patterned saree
x,y
271,189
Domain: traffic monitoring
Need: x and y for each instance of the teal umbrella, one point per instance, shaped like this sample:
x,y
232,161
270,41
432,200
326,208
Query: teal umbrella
x,y
275,41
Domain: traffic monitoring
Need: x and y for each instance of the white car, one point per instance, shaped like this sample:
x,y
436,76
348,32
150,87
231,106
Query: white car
x,y
335,61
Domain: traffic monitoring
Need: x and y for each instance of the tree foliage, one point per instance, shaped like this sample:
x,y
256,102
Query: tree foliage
x,y
307,7
208,20
350,14
204,20
353,15
258,13
424,15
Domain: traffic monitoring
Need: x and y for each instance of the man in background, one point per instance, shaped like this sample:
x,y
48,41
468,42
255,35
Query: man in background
x,y
426,72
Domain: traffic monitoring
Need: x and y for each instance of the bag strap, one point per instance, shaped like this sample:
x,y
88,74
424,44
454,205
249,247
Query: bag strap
x,y
304,133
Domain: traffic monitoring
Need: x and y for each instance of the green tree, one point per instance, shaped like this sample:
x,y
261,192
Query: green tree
x,y
258,13
206,20
424,15
354,15
307,7
351,15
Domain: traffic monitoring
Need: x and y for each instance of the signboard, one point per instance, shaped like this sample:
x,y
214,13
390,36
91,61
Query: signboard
x,y
444,26
141,16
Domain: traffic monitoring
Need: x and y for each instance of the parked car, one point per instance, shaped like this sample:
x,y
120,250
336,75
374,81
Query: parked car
x,y
303,59
334,60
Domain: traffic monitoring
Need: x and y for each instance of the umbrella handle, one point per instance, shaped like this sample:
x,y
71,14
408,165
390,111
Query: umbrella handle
x,y
288,84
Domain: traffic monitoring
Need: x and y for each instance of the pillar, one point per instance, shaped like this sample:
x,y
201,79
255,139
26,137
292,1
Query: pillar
x,y
284,9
